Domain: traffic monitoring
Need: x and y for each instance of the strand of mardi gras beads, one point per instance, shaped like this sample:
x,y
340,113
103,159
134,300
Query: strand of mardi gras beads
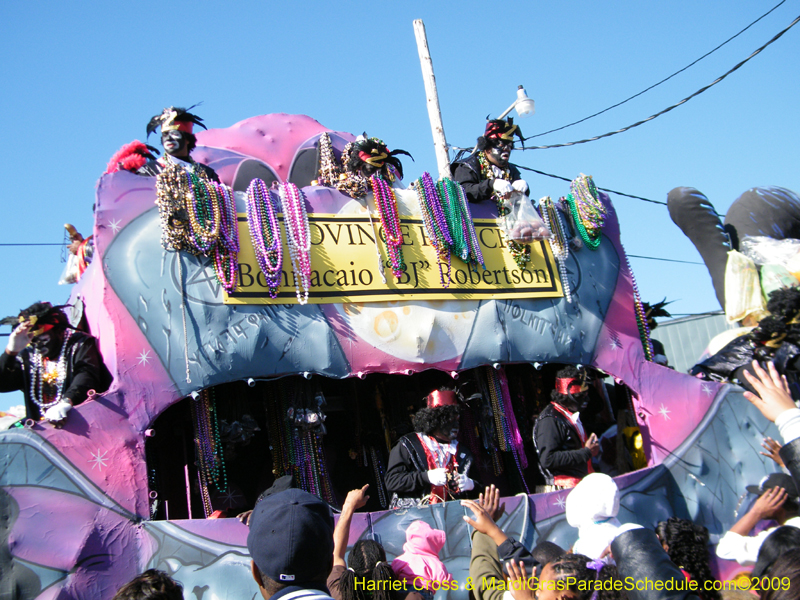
x,y
435,223
641,317
39,377
298,237
386,203
265,234
201,472
226,252
204,213
329,171
558,242
587,210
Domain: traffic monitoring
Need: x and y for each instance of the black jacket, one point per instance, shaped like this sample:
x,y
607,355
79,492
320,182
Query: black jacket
x,y
468,174
640,556
407,472
559,447
85,371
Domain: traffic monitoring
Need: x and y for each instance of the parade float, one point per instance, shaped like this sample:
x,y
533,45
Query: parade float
x,y
300,343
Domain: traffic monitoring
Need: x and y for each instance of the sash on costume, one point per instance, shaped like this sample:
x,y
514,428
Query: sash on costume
x,y
578,427
439,456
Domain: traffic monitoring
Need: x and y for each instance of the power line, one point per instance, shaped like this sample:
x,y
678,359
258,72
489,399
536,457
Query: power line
x,y
685,262
666,110
599,188
662,81
33,244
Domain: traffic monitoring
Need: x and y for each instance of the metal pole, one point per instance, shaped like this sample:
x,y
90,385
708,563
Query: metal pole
x,y
434,112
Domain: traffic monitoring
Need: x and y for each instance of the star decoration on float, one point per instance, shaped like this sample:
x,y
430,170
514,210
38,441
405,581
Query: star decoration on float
x,y
664,412
561,502
114,224
229,498
144,357
614,343
706,388
99,460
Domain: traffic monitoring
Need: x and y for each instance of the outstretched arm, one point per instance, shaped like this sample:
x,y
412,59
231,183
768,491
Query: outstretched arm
x,y
355,500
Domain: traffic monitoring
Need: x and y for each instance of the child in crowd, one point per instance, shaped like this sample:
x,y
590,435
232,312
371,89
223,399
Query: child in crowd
x,y
366,563
592,508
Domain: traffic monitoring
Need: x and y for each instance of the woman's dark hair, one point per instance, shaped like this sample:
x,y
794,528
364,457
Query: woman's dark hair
x,y
687,547
581,568
429,420
151,585
367,559
571,402
786,565
778,542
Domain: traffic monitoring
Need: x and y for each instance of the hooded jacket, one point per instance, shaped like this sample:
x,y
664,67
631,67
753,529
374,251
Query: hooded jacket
x,y
419,564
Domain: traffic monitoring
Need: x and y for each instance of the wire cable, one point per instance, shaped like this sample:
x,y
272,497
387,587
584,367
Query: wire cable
x,y
33,244
685,262
663,80
666,110
599,188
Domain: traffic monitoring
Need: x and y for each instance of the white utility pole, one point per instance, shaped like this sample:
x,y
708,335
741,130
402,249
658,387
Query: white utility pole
x,y
434,112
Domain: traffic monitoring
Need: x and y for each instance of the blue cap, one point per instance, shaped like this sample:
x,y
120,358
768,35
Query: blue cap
x,y
291,538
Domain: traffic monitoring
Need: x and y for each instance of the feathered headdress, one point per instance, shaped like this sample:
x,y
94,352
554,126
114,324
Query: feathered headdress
x,y
655,310
43,316
172,118
373,151
131,157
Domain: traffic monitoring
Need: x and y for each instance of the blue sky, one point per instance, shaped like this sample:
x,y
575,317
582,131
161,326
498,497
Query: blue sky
x,y
82,79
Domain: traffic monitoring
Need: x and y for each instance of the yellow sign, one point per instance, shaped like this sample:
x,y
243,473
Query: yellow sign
x,y
344,266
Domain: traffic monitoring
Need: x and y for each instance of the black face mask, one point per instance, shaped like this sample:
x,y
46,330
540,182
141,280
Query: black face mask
x,y
48,344
173,141
499,153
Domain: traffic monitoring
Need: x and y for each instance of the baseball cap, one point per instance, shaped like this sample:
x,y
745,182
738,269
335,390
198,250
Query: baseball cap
x,y
774,480
291,538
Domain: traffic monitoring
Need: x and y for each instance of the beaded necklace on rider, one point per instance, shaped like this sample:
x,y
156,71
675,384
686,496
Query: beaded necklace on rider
x,y
386,203
298,237
459,220
521,253
587,210
435,223
558,241
47,386
265,233
226,252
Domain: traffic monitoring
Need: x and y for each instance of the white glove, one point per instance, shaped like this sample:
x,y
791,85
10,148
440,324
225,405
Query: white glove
x,y
501,187
465,484
521,186
58,412
437,476
19,338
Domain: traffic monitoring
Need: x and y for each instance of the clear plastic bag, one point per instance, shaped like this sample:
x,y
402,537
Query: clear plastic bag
x,y
71,272
766,250
522,223
742,289
776,277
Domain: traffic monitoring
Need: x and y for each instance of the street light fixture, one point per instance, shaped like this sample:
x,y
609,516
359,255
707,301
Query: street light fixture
x,y
524,105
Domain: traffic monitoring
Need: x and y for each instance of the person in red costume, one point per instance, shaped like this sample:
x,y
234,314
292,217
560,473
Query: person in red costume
x,y
430,465
564,447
